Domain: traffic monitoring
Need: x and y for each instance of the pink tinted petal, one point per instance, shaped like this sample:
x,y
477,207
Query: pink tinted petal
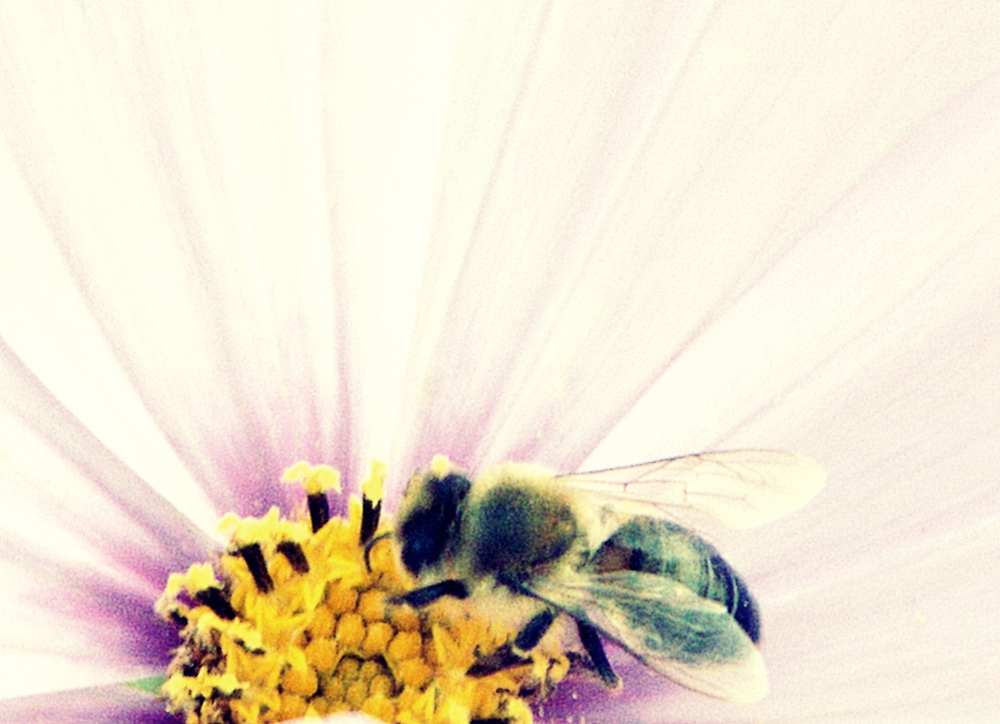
x,y
915,617
141,532
193,341
86,544
241,157
67,625
46,322
914,234
119,704
588,272
877,597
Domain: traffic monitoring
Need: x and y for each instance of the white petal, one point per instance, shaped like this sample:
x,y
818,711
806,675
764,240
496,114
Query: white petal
x,y
47,324
86,547
729,142
250,262
114,703
906,254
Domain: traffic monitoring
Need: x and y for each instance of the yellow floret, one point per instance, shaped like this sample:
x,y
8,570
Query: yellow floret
x,y
314,479
342,599
405,645
330,638
485,702
415,672
371,605
405,619
379,707
321,654
292,706
381,557
350,630
347,669
517,711
334,690
321,625
356,693
374,485
380,685
377,639
300,681
440,466
369,670
199,577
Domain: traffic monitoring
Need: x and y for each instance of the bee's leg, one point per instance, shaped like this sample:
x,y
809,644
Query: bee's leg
x,y
502,658
420,597
533,631
591,641
508,656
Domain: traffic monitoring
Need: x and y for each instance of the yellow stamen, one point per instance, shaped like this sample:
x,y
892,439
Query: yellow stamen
x,y
314,479
373,486
326,637
440,466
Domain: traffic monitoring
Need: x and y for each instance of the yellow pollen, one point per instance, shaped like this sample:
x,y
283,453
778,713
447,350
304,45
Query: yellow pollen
x,y
440,466
373,486
314,479
329,636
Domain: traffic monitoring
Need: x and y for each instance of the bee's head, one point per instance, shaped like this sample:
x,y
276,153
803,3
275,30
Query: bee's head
x,y
429,518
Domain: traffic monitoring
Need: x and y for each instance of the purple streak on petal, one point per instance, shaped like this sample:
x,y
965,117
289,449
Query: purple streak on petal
x,y
119,704
251,471
126,523
171,542
221,325
121,625
115,620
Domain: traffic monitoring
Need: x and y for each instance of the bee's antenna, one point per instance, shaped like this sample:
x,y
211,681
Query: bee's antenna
x,y
371,544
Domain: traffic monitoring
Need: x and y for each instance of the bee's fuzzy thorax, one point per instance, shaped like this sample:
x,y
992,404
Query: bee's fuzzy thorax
x,y
515,523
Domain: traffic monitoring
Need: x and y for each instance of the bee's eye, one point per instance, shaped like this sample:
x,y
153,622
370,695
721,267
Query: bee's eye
x,y
424,534
424,540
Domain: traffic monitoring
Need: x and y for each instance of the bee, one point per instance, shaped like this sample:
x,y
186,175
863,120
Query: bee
x,y
609,549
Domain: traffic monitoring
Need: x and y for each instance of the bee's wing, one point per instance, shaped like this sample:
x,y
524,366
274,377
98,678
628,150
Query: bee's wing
x,y
740,488
687,638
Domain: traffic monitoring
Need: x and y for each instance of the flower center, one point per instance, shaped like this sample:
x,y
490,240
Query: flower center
x,y
297,618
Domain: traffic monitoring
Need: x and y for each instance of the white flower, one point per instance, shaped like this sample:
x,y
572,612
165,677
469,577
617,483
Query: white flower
x,y
579,233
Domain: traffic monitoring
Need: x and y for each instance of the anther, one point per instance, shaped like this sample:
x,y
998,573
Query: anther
x,y
372,492
216,600
370,513
295,555
319,510
254,557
